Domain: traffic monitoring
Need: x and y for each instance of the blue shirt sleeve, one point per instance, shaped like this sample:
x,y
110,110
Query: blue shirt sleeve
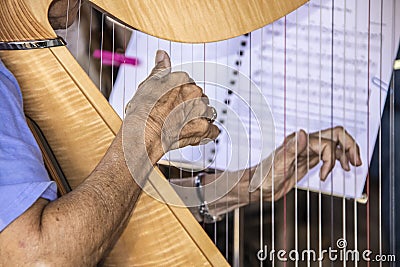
x,y
23,176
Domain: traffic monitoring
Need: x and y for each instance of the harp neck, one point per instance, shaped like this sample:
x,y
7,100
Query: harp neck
x,y
179,20
193,21
23,20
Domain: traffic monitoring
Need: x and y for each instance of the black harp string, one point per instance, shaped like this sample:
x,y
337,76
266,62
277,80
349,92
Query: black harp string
x,y
101,55
392,184
215,159
344,236
213,162
237,212
261,243
273,169
319,134
308,130
227,154
124,70
112,54
249,37
331,118
66,20
355,204
78,28
171,56
296,241
203,148
90,39
368,126
380,135
181,156
284,131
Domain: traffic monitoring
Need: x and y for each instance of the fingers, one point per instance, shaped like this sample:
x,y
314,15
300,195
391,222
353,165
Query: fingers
x,y
196,99
199,131
193,116
343,158
346,143
161,69
327,152
212,133
201,121
177,110
162,64
191,91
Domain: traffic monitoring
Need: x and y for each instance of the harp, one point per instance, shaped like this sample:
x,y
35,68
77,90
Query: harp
x,y
77,104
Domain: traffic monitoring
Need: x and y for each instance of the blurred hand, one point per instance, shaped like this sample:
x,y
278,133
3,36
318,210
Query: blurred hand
x,y
173,109
327,146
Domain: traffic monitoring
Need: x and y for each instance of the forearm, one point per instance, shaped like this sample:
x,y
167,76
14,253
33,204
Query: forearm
x,y
95,211
80,227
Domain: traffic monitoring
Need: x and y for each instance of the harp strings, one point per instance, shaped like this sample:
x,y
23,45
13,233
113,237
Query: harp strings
x,y
380,136
332,225
344,115
308,130
319,135
355,205
368,125
392,146
284,133
323,230
261,201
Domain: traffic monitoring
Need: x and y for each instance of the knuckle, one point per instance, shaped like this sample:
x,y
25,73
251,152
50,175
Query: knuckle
x,y
192,91
203,125
198,91
339,128
198,107
182,76
216,131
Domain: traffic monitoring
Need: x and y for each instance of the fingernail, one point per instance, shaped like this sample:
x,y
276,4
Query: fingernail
x,y
322,176
160,56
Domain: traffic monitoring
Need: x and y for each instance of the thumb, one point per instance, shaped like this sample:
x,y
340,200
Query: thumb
x,y
162,64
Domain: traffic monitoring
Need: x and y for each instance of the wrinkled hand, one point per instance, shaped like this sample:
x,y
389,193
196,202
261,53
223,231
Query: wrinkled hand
x,y
331,145
173,109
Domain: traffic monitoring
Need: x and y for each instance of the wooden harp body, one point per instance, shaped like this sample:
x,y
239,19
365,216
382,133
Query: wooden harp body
x,y
79,124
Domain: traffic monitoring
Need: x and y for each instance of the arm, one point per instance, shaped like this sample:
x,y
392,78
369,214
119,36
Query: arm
x,y
80,228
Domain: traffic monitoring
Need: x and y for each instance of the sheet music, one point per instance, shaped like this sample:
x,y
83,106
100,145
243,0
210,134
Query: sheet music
x,y
310,81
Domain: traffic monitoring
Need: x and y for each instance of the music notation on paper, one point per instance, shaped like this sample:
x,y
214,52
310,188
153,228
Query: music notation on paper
x,y
315,74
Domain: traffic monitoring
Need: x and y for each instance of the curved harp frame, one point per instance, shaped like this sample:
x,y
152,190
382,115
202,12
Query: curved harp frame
x,y
79,124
